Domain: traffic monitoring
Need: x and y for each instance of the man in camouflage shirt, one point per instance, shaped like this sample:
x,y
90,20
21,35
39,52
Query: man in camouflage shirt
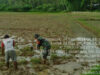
x,y
41,42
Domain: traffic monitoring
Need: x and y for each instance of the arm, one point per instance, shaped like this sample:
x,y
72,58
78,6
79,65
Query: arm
x,y
38,44
14,43
2,47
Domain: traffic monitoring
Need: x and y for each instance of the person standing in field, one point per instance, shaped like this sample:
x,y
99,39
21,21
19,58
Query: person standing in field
x,y
8,50
41,42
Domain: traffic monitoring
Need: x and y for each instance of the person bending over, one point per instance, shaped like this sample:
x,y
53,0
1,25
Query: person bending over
x,y
41,42
8,50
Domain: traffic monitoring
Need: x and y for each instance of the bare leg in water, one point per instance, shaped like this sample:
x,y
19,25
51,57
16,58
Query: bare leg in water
x,y
15,65
7,64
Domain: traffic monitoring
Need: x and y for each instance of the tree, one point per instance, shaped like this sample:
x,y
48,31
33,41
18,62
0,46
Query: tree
x,y
55,5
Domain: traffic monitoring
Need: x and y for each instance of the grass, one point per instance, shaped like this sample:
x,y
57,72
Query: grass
x,y
93,26
95,70
89,21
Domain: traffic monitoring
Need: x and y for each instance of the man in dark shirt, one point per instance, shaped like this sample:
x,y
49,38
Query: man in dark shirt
x,y
41,42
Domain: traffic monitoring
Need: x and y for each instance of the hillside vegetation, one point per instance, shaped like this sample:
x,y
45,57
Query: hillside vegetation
x,y
49,5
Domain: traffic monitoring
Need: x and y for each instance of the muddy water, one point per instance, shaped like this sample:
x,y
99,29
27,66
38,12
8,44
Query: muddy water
x,y
90,52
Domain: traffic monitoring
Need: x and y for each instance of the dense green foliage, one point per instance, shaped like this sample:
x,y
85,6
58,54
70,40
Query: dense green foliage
x,y
49,5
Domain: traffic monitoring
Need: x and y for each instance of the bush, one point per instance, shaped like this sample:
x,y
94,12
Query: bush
x,y
46,7
2,7
18,8
13,8
26,8
52,9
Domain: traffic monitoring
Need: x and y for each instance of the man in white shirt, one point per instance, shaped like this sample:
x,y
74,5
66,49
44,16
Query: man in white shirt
x,y
7,46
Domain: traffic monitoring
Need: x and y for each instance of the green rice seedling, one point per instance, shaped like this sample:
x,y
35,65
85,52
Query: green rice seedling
x,y
2,64
27,51
55,47
23,61
36,60
54,56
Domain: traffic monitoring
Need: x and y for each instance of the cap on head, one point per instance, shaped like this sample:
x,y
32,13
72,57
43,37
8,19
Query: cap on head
x,y
6,36
36,36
